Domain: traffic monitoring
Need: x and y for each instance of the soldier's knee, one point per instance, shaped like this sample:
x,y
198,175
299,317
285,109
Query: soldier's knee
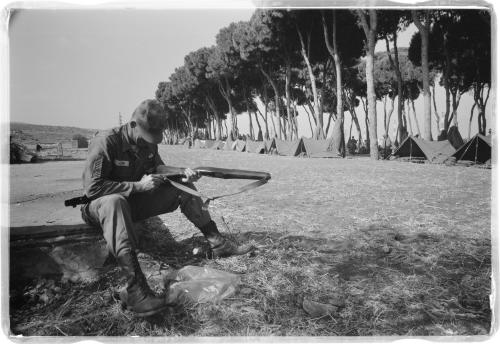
x,y
114,202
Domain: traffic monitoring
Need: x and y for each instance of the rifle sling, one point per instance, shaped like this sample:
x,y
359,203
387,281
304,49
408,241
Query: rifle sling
x,y
207,199
215,172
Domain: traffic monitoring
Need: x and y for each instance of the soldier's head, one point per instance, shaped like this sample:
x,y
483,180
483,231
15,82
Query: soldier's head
x,y
149,121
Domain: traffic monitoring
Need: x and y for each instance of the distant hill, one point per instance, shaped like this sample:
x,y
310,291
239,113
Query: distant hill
x,y
35,133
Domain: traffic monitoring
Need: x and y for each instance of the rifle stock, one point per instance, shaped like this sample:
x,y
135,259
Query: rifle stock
x,y
215,172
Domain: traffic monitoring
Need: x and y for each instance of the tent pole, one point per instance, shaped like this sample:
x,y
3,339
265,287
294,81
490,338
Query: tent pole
x,y
475,156
465,151
411,147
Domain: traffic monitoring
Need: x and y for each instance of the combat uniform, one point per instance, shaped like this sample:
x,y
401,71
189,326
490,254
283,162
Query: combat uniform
x,y
113,166
112,181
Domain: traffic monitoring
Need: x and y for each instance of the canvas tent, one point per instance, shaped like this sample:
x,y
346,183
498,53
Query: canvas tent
x,y
218,144
476,150
209,143
199,143
454,137
417,149
229,143
270,145
319,148
239,145
290,148
255,147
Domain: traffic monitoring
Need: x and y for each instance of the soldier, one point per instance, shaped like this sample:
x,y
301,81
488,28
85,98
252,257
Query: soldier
x,y
118,181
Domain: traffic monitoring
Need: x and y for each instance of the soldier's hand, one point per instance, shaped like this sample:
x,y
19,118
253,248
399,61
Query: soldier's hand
x,y
191,176
148,183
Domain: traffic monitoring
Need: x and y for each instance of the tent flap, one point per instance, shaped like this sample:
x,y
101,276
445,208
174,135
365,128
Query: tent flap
x,y
290,148
477,150
416,148
255,147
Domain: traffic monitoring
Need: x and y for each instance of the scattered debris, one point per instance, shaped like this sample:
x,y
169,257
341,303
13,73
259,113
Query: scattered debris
x,y
194,284
317,310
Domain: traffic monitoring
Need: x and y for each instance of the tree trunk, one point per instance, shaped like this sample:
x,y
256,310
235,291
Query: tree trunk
x,y
274,125
436,114
408,117
214,126
295,115
266,100
481,102
250,122
371,36
388,116
415,117
334,53
455,96
259,134
288,77
385,114
401,133
212,107
470,119
367,123
276,99
423,28
328,124
354,118
227,96
208,125
309,118
319,133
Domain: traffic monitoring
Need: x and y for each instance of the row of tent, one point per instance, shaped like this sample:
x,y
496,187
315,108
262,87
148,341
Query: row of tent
x,y
300,147
475,151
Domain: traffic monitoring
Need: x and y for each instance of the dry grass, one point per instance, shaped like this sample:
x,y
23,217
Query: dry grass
x,y
402,248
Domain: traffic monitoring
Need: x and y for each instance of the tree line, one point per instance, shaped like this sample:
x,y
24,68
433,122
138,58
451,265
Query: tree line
x,y
324,62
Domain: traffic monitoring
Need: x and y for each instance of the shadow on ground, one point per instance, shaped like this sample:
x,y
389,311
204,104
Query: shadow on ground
x,y
390,281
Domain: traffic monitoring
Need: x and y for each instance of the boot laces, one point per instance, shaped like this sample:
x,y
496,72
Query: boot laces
x,y
141,279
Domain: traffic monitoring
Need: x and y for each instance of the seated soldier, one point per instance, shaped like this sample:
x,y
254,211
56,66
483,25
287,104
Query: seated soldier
x,y
118,181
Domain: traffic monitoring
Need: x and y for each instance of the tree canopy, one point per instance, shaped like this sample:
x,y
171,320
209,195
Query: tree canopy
x,y
281,63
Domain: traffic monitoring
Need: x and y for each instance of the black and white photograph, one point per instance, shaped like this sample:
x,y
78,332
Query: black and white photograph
x,y
249,170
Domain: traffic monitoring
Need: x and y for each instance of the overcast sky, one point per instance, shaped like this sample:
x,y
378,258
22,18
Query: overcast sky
x,y
83,67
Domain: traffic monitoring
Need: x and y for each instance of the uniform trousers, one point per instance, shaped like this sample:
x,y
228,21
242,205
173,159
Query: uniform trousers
x,y
116,214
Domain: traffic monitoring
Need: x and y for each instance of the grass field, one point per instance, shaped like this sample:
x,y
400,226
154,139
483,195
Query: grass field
x,y
397,248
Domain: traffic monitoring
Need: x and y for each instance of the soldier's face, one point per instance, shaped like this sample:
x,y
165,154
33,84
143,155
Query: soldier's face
x,y
144,144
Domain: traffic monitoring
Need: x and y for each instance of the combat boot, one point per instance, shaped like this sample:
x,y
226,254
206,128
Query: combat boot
x,y
222,247
137,296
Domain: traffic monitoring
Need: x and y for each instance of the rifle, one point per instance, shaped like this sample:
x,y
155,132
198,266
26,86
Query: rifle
x,y
215,172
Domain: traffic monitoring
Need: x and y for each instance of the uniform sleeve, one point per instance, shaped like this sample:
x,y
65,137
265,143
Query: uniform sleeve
x,y
158,160
96,175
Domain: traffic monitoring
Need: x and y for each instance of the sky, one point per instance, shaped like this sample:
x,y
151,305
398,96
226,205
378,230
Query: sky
x,y
85,67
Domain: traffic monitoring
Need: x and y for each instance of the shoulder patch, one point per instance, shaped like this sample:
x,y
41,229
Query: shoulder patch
x,y
97,167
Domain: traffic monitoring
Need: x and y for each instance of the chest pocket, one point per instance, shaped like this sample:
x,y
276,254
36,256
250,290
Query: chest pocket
x,y
148,165
143,166
122,169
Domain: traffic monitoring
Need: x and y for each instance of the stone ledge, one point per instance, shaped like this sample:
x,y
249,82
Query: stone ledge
x,y
27,236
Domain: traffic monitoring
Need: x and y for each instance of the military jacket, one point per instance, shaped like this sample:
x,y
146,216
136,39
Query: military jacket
x,y
114,163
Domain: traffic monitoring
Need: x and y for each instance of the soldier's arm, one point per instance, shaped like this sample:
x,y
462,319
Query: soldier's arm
x,y
96,176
